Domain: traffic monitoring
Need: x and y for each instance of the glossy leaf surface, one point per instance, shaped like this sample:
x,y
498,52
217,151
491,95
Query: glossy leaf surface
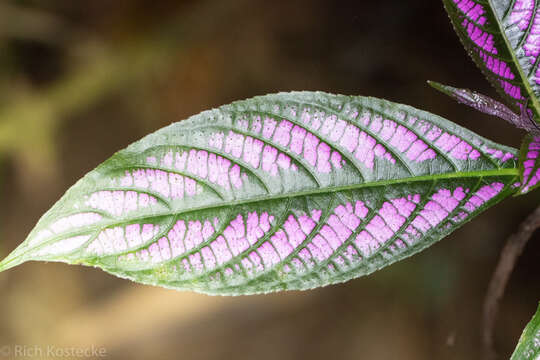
x,y
286,191
503,38
528,347
530,163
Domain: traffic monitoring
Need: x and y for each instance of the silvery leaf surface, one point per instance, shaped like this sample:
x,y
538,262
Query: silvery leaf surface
x,y
279,192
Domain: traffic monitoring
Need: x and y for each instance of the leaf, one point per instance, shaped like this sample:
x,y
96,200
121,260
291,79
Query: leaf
x,y
529,163
528,347
286,191
487,105
502,36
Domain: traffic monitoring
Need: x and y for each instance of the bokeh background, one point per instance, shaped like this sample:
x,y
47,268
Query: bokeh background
x,y
80,80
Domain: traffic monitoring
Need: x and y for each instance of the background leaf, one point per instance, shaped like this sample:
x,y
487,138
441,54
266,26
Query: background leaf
x,y
286,191
528,347
530,163
502,38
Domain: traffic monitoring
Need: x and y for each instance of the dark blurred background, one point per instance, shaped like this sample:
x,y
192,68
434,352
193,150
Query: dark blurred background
x,y
80,80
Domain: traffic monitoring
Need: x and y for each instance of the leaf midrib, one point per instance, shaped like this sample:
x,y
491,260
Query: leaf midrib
x,y
313,233
18,256
325,190
318,191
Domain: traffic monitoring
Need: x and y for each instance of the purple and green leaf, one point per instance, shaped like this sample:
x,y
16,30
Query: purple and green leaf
x,y
286,191
528,347
529,162
488,105
503,38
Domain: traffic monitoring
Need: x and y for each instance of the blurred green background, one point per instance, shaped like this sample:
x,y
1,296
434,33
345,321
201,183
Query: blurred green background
x,y
81,80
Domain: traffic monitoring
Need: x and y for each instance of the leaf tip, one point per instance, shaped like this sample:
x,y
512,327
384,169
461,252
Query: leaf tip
x,y
10,261
445,89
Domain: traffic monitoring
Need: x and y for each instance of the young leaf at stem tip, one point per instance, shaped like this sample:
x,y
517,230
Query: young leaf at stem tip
x,y
488,106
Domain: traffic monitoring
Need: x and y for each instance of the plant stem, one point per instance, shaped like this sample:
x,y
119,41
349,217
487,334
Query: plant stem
x,y
512,250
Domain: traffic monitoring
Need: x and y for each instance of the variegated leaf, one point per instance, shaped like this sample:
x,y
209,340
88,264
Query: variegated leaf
x,y
503,38
286,191
530,163
528,347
